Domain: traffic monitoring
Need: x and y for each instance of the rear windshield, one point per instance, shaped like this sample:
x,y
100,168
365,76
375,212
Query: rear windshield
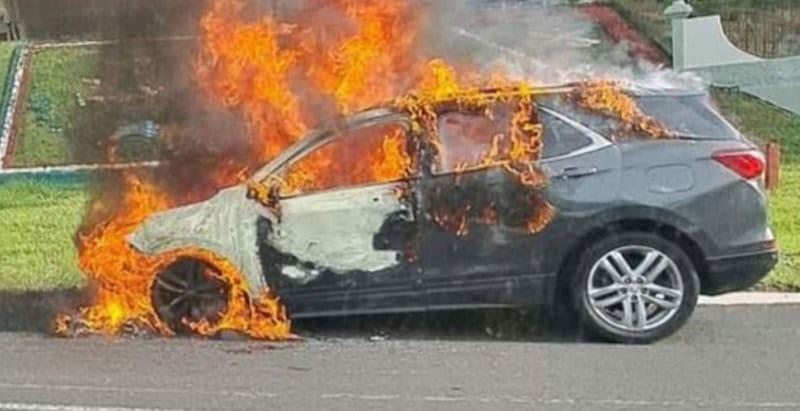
x,y
684,116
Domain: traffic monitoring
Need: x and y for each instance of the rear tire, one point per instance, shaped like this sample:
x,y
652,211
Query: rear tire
x,y
634,287
189,290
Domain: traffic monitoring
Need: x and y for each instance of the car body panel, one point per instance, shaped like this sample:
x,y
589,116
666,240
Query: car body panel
x,y
373,228
310,223
225,225
730,211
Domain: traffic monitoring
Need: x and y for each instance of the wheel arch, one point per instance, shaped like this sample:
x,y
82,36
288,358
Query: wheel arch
x,y
195,247
673,228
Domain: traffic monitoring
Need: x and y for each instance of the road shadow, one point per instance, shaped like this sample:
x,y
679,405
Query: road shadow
x,y
541,324
35,311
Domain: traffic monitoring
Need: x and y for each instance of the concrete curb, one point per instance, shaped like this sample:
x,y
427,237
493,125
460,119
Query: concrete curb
x,y
751,298
79,167
75,174
78,44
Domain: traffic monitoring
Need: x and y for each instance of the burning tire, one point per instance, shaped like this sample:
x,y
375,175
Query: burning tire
x,y
635,287
189,291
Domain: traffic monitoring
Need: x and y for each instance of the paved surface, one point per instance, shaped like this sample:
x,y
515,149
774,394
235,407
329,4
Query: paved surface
x,y
726,358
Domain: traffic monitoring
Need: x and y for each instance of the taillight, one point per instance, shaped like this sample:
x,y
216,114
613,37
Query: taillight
x,y
748,164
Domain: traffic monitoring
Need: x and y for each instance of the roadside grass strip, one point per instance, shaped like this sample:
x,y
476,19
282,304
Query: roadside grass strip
x,y
38,222
765,122
785,215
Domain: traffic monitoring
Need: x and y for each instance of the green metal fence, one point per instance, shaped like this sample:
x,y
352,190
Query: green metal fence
x,y
766,28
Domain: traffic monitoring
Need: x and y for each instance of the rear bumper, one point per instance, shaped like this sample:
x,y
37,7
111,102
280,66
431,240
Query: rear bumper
x,y
738,272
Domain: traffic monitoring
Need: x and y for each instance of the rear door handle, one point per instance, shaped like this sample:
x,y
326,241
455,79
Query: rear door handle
x,y
576,172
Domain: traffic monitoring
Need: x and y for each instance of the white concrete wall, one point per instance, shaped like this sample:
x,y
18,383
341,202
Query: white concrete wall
x,y
705,44
701,46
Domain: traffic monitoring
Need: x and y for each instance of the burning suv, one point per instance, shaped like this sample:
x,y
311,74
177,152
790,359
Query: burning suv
x,y
625,211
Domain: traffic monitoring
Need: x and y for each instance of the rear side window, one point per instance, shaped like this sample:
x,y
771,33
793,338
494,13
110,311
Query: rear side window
x,y
561,138
604,125
466,138
687,116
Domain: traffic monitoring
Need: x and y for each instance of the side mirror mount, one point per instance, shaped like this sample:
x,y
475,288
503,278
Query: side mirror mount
x,y
267,193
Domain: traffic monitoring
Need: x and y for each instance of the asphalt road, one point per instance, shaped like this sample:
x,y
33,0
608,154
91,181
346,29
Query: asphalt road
x,y
726,358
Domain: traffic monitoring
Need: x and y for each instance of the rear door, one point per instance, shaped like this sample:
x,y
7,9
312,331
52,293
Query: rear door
x,y
495,258
474,214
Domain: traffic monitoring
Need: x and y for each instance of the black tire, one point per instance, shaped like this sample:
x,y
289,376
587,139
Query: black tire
x,y
601,321
189,290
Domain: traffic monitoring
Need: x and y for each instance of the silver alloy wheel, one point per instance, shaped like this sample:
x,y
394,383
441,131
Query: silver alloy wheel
x,y
635,288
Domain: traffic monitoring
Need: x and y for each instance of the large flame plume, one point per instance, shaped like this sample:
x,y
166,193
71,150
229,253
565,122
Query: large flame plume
x,y
285,78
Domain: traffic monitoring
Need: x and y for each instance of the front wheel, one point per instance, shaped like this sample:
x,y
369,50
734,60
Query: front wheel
x,y
635,287
189,291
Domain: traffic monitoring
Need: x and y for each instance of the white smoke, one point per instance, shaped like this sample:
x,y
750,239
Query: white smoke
x,y
542,42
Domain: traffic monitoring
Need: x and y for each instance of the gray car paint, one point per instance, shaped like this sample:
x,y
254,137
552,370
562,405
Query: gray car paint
x,y
673,182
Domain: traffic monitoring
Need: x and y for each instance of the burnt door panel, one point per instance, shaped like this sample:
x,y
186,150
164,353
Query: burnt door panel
x,y
475,237
477,212
397,287
329,247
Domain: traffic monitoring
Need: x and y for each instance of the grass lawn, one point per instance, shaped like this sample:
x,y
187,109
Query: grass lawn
x,y
784,205
78,96
768,123
38,222
56,78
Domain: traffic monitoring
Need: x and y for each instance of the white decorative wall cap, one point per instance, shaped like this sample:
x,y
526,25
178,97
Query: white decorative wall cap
x,y
679,9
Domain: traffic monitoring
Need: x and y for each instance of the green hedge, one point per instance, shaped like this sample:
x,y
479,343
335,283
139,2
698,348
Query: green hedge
x,y
767,28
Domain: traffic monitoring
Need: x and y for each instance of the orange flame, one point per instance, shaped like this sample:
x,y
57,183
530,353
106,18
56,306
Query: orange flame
x,y
373,64
607,98
121,293
261,69
516,153
122,279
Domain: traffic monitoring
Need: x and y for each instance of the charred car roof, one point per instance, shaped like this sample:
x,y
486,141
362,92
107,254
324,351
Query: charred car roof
x,y
389,111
